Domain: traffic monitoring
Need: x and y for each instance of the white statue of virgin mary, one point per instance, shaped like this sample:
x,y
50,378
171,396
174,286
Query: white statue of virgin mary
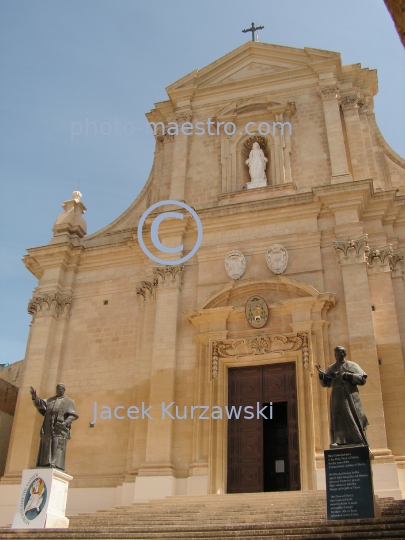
x,y
257,166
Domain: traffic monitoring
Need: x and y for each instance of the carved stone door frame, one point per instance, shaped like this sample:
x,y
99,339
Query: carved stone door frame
x,y
306,344
218,430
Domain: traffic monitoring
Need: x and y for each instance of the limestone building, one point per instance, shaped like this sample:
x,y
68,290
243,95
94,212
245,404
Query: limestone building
x,y
310,259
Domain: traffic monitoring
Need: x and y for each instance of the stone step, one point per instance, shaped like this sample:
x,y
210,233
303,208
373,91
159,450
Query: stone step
x,y
186,522
212,512
393,527
261,516
291,516
299,517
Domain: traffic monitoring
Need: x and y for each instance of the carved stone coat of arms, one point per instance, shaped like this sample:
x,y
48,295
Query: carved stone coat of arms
x,y
235,264
277,258
256,311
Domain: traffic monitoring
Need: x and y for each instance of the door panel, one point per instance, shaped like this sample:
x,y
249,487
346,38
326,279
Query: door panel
x,y
279,384
275,449
246,437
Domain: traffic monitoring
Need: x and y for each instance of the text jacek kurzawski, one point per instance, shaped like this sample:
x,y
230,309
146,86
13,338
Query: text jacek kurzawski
x,y
175,412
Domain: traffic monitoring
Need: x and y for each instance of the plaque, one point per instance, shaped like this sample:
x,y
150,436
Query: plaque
x,y
349,483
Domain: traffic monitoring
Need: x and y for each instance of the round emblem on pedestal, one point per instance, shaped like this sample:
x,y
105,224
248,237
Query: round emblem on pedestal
x,y
256,311
34,498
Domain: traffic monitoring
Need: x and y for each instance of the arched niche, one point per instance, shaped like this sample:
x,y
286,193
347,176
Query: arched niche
x,y
243,147
235,173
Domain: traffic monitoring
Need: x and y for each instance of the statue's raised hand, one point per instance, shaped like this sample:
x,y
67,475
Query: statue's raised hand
x,y
33,392
321,373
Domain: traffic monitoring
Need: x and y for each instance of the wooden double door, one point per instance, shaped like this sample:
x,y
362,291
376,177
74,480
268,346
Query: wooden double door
x,y
263,453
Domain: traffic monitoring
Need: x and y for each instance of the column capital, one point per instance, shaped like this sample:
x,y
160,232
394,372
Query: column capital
x,y
161,138
397,263
182,116
169,276
349,101
380,259
147,291
329,92
352,250
354,100
54,305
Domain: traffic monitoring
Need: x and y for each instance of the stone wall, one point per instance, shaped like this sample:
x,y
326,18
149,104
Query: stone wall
x,y
13,373
8,400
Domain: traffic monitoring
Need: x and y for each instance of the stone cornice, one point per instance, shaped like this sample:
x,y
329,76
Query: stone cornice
x,y
256,106
63,255
121,247
260,245
304,202
209,320
388,204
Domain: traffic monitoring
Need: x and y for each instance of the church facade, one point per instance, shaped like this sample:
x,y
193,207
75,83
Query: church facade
x,y
292,264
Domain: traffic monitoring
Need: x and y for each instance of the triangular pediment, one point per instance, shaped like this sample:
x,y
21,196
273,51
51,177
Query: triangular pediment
x,y
252,60
254,69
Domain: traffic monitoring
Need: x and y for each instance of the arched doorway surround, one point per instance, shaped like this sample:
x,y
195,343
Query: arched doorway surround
x,y
296,331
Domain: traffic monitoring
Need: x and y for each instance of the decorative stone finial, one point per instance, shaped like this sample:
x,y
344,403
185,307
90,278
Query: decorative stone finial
x,y
76,196
70,226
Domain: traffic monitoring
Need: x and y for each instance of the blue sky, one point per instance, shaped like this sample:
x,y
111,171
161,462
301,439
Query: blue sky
x,y
64,61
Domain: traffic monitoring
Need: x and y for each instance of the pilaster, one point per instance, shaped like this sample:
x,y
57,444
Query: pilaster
x,y
398,284
146,294
56,267
364,116
352,255
179,162
334,132
350,104
388,341
282,143
158,459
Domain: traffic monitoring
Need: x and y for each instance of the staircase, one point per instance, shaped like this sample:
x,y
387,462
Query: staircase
x,y
295,515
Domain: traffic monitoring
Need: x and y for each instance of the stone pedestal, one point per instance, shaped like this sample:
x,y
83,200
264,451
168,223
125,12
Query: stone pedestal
x,y
256,184
349,483
42,500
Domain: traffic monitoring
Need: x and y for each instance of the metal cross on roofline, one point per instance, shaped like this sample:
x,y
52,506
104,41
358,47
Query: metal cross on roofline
x,y
253,29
